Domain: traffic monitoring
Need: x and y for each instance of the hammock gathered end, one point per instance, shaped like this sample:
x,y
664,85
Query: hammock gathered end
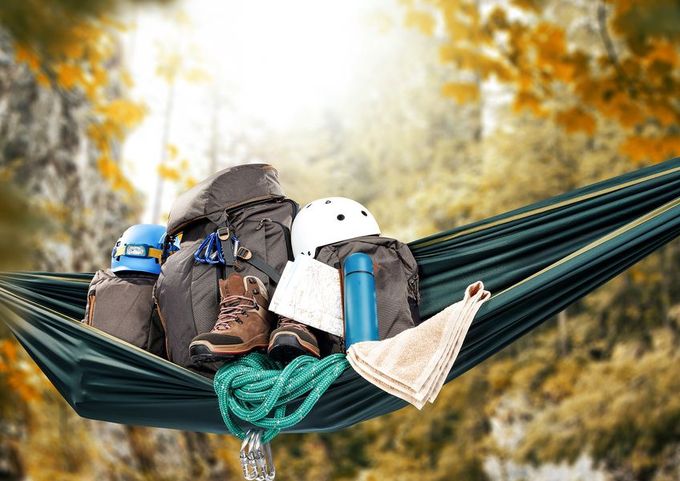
x,y
250,388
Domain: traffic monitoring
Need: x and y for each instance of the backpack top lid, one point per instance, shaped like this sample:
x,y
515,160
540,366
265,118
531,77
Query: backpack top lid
x,y
224,190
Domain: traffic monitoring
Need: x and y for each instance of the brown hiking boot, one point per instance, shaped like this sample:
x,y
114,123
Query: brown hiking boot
x,y
292,339
243,323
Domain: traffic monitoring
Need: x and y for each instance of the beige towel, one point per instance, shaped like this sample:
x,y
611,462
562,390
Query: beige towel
x,y
413,365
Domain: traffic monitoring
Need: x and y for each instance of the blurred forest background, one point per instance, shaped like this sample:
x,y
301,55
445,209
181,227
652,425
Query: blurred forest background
x,y
434,113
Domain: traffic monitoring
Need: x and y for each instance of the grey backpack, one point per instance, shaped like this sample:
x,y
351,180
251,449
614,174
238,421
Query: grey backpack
x,y
237,220
121,305
396,280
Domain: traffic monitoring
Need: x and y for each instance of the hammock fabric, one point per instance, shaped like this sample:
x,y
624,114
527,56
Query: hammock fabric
x,y
536,260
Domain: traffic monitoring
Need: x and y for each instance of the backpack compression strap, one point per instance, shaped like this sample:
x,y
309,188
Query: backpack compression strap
x,y
231,253
258,263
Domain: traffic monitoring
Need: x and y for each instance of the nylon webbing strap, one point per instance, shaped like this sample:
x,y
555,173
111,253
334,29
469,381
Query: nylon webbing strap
x,y
227,251
262,266
246,255
255,389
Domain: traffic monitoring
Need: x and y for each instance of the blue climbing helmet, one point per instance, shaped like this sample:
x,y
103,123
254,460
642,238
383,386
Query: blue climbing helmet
x,y
141,248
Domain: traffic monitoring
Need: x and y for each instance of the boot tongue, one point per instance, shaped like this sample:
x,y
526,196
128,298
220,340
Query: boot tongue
x,y
232,286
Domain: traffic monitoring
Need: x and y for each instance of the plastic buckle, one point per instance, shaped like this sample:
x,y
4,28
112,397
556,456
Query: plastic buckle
x,y
244,253
224,233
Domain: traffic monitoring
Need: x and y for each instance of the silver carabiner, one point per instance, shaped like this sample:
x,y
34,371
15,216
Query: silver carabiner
x,y
255,455
256,458
236,245
270,471
249,473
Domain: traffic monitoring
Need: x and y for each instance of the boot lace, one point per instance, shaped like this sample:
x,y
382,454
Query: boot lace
x,y
286,322
231,308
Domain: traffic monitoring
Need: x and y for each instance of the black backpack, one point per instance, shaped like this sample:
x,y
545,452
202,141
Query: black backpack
x,y
121,304
237,220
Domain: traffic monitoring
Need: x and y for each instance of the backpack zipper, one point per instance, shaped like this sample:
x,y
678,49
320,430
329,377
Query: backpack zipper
x,y
231,208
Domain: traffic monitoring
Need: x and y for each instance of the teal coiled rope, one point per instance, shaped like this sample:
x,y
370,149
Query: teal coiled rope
x,y
256,389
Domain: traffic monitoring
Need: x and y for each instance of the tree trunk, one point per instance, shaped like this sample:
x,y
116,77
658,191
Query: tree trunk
x,y
165,139
11,465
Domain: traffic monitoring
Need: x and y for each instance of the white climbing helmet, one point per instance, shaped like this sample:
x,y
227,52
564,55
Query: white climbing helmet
x,y
328,220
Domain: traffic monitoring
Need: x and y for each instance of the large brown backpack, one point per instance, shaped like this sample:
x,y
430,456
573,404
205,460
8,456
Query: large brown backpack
x,y
237,220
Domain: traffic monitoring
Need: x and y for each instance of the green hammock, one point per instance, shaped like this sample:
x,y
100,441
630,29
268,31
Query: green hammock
x,y
535,260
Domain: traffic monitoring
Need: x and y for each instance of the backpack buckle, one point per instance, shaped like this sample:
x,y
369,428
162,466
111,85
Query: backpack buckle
x,y
224,233
244,253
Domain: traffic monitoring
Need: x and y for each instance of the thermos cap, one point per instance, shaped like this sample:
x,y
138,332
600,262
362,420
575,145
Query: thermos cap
x,y
358,262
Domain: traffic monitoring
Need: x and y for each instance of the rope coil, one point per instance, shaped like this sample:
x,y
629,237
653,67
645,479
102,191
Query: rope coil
x,y
256,389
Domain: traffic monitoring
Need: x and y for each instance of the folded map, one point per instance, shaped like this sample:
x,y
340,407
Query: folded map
x,y
309,292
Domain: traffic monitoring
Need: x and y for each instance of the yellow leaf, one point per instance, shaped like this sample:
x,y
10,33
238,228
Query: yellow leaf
x,y
73,50
98,136
69,75
525,100
498,18
197,75
421,20
563,71
466,58
461,92
107,167
169,173
533,5
172,151
662,51
642,150
190,182
576,120
123,113
27,56
126,78
8,350
664,113
99,76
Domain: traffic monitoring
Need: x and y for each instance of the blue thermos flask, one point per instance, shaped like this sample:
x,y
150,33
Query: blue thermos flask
x,y
361,308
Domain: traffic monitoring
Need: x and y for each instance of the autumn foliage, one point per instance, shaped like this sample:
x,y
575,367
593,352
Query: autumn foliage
x,y
78,63
582,64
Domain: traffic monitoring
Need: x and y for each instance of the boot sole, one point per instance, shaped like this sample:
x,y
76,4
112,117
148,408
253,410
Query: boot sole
x,y
205,351
286,346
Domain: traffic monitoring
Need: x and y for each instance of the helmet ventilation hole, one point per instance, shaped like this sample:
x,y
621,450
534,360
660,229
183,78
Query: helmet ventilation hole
x,y
327,202
309,253
364,213
341,217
